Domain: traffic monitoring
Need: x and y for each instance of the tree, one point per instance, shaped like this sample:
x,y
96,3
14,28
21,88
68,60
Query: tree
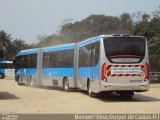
x,y
9,47
94,25
5,42
126,21
19,44
154,51
156,14
148,29
137,16
145,17
16,46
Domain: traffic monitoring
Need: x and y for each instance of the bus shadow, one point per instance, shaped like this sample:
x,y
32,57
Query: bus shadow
x,y
113,97
7,96
48,88
107,97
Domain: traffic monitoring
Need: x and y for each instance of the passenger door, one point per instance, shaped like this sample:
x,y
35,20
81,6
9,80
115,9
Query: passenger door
x,y
85,70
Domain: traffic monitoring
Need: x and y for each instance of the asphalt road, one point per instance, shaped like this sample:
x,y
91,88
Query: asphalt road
x,y
23,99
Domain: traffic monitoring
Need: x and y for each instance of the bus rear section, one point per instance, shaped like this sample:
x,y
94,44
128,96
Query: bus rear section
x,y
6,69
25,65
124,65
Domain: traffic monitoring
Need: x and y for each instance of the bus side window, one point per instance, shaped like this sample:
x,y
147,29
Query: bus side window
x,y
9,65
28,61
18,63
24,61
1,65
45,60
53,59
85,56
33,61
96,47
89,55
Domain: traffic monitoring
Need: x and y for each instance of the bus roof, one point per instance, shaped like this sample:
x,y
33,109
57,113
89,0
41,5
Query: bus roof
x,y
47,49
118,35
6,61
71,45
59,47
28,51
97,38
89,40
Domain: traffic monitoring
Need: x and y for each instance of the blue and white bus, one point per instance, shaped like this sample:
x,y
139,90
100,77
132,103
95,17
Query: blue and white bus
x,y
6,69
115,63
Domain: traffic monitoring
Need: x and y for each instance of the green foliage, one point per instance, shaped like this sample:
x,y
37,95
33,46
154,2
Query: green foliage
x,y
5,43
147,29
95,25
154,51
9,48
126,21
150,28
16,46
91,26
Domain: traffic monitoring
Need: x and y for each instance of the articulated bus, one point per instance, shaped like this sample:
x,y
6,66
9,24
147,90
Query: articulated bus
x,y
115,63
6,69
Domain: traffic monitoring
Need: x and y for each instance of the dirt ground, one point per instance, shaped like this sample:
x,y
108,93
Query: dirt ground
x,y
23,99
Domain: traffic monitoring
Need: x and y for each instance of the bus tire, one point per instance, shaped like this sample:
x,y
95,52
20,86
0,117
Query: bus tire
x,y
66,85
31,81
16,78
19,81
127,94
90,93
1,76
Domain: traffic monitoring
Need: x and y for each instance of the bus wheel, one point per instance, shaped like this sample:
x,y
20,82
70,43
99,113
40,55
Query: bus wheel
x,y
1,76
66,85
19,81
127,94
31,81
17,78
90,93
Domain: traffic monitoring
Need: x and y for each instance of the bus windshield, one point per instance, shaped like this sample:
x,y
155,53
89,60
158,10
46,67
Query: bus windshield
x,y
124,47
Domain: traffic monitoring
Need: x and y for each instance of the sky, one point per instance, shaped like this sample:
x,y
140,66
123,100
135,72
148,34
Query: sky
x,y
25,19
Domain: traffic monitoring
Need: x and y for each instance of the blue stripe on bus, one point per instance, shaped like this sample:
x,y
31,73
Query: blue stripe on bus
x,y
58,72
26,72
27,52
89,41
6,61
59,48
